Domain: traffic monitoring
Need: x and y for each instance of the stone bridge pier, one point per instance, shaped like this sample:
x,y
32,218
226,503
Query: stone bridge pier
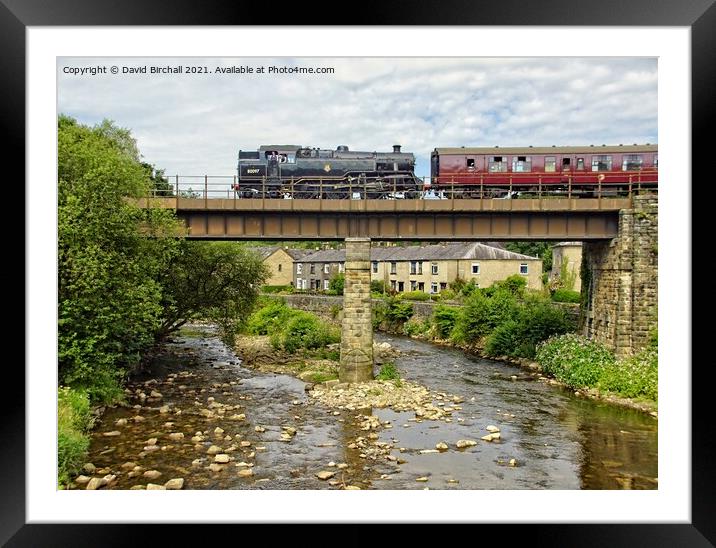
x,y
357,328
620,277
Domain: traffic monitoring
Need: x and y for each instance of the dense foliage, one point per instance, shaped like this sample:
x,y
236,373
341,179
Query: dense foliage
x,y
337,284
108,270
566,296
73,423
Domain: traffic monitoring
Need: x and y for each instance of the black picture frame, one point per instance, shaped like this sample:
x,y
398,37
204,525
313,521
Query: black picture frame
x,y
699,15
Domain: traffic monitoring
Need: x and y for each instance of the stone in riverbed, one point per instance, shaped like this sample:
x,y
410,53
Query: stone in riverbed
x,y
421,479
155,487
245,444
128,465
341,465
442,446
164,409
152,441
138,418
513,462
89,468
325,474
213,450
259,429
95,483
82,479
112,433
426,451
222,458
152,474
218,430
176,436
461,444
214,467
491,437
492,428
121,422
174,483
352,488
246,472
155,394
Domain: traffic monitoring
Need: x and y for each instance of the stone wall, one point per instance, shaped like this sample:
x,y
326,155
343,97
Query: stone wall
x,y
621,279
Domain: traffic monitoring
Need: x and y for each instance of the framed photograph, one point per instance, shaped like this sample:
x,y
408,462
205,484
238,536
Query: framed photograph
x,y
204,98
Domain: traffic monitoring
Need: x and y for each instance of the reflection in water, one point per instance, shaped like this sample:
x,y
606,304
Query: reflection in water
x,y
549,438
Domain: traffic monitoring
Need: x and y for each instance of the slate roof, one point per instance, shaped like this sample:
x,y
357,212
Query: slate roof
x,y
440,252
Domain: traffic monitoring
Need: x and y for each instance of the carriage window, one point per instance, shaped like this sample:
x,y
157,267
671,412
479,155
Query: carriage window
x,y
601,163
521,163
497,163
471,163
631,162
656,160
580,164
550,164
566,162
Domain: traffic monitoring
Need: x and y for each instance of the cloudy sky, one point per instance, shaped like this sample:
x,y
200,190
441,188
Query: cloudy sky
x,y
195,124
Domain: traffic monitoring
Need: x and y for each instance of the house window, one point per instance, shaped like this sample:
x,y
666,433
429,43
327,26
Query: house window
x,y
471,163
392,285
601,163
433,287
393,267
299,269
580,164
475,268
326,268
523,268
375,267
299,283
416,267
443,286
550,164
521,163
433,268
313,268
325,284
421,286
401,287
631,162
497,163
341,267
279,267
413,285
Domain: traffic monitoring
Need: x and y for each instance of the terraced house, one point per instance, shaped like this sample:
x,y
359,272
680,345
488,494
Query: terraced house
x,y
279,261
427,268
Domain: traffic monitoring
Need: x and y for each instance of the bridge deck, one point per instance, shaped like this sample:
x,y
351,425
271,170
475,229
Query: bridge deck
x,y
553,218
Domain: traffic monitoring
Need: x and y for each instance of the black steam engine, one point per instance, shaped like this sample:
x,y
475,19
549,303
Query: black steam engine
x,y
291,171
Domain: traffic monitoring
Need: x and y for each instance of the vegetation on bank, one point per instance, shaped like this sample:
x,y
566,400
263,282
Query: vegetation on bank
x,y
579,362
74,421
126,277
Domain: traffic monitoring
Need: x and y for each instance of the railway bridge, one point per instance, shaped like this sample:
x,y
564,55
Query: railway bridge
x,y
620,252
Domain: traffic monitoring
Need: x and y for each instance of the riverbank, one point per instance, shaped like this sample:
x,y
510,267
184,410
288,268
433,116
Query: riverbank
x,y
535,370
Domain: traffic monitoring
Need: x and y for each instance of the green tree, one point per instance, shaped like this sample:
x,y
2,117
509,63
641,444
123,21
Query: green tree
x,y
218,281
337,284
543,250
108,270
159,184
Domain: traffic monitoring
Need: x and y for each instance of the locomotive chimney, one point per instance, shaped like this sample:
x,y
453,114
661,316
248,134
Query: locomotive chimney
x,y
396,148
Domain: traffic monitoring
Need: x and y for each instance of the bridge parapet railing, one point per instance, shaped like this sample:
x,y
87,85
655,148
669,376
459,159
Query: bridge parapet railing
x,y
480,186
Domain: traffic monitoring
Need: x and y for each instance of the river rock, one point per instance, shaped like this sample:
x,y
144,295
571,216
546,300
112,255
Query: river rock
x,y
222,458
95,483
112,433
461,444
138,418
239,417
213,450
422,479
325,474
352,488
129,465
426,451
176,436
442,446
152,474
513,462
164,409
137,487
174,483
492,428
259,429
152,441
155,487
82,479
491,437
155,394
121,422
215,467
218,430
245,444
89,468
246,472
341,465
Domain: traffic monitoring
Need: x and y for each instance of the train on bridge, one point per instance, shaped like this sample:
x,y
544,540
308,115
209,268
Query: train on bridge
x,y
293,171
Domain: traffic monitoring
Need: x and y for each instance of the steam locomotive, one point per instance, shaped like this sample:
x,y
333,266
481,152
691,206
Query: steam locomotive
x,y
302,172
276,171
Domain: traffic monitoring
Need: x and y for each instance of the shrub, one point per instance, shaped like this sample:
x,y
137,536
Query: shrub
x,y
574,360
635,377
566,296
514,284
415,296
378,286
505,340
74,420
444,318
388,372
304,330
266,319
539,320
337,284
470,324
447,295
397,311
415,327
277,289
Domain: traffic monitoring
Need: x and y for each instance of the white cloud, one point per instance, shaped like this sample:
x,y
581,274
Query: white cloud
x,y
196,123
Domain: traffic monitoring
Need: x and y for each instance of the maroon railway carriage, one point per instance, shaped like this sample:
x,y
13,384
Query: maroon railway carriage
x,y
578,170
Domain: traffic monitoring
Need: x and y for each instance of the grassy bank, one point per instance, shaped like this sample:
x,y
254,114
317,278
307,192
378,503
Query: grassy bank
x,y
74,421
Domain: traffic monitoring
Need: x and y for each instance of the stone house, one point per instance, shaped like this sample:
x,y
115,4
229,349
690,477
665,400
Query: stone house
x,y
428,268
567,258
280,261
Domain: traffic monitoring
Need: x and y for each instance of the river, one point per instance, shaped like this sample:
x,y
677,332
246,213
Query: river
x,y
275,437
